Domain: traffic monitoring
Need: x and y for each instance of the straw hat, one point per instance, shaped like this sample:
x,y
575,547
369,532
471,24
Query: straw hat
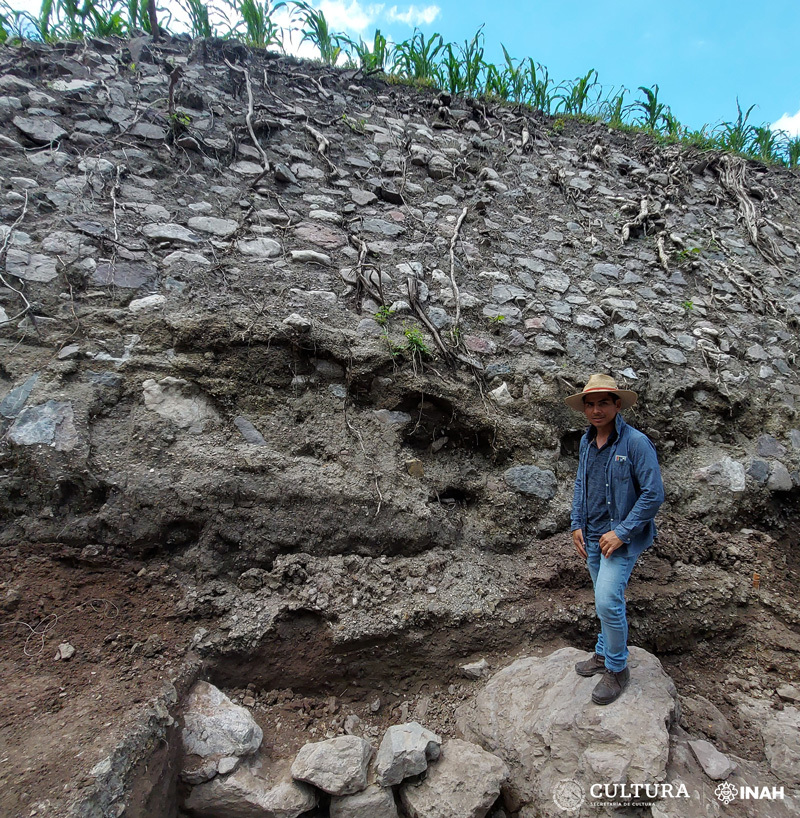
x,y
601,383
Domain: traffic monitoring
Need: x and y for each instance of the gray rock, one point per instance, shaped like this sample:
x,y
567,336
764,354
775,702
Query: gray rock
x,y
553,235
382,227
439,317
781,733
50,424
779,478
673,356
768,446
538,715
557,282
607,270
501,395
759,471
362,197
255,790
171,232
64,653
475,670
249,432
390,418
30,266
684,770
149,302
129,275
284,174
373,802
583,185
310,257
715,765
215,727
337,766
12,403
464,783
405,751
259,248
532,480
72,86
544,343
439,167
184,259
502,293
726,473
176,400
297,322
789,693
39,129
583,319
506,314
217,227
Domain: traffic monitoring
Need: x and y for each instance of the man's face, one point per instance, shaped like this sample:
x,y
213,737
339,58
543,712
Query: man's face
x,y
600,409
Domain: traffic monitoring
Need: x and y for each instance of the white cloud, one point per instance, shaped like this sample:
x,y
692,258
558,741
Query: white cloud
x,y
788,123
350,16
413,15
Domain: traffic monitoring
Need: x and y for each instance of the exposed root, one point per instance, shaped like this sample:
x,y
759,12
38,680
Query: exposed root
x,y
453,266
732,179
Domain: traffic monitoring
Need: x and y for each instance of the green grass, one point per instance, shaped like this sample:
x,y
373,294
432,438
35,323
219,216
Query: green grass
x,y
460,69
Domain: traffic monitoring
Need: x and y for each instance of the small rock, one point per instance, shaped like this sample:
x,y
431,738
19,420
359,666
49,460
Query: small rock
x,y
373,802
501,395
475,670
149,302
297,322
39,129
217,227
65,652
310,257
259,248
171,232
415,468
532,480
715,765
405,751
337,766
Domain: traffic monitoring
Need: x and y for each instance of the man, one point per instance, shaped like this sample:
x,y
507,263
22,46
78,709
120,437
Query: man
x,y
618,491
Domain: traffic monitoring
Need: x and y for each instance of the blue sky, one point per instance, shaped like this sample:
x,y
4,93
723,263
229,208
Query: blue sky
x,y
702,54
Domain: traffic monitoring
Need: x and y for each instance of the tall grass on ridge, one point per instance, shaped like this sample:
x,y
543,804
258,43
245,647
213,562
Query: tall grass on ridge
x,y
461,69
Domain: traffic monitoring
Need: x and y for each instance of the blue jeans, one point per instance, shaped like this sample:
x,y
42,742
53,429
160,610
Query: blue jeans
x,y
610,577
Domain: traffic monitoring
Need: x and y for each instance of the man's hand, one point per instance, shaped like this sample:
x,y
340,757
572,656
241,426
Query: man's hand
x,y
577,538
609,543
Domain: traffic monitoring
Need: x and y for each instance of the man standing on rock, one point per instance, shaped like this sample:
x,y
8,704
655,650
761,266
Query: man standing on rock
x,y
618,491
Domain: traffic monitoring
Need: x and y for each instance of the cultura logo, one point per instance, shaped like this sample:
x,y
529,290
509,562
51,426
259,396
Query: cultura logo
x,y
728,792
725,792
568,795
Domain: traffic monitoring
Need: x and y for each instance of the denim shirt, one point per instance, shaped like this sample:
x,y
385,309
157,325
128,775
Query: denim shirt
x,y
634,490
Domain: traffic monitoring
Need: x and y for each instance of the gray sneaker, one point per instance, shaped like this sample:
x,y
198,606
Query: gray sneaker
x,y
596,664
610,687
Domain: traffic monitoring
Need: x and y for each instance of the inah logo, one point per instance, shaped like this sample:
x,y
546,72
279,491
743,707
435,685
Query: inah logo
x,y
568,795
725,792
728,792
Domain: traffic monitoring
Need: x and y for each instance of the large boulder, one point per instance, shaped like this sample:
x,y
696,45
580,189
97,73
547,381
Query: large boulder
x,y
537,715
464,783
215,729
257,789
337,766
405,751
